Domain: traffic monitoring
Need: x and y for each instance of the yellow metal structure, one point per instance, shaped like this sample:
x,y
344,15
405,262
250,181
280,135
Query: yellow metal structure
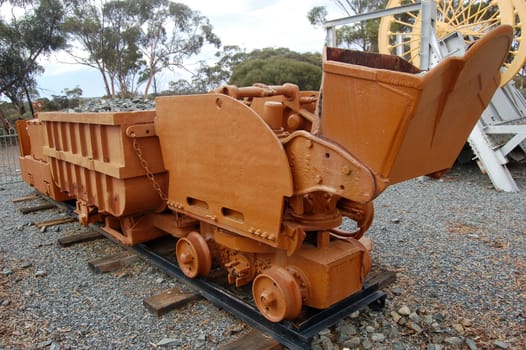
x,y
400,34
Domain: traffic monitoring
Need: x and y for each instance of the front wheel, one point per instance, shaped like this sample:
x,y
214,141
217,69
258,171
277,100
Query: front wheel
x,y
277,294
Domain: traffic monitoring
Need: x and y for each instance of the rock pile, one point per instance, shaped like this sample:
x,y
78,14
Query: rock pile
x,y
114,105
400,329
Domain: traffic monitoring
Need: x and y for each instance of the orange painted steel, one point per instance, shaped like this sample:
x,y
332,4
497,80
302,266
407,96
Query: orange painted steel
x,y
92,158
256,180
34,167
401,124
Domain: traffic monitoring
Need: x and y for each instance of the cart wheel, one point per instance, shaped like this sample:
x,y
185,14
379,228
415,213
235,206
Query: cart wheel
x,y
277,294
193,255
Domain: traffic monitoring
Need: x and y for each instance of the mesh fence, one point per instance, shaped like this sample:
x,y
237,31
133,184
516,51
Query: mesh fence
x,y
9,166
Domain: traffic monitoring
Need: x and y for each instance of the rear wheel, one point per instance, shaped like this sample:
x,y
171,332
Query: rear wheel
x,y
193,255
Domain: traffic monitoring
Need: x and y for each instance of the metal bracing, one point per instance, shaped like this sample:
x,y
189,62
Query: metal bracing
x,y
330,26
501,130
505,120
491,161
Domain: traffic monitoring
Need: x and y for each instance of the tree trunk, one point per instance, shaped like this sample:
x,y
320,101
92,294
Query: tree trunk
x,y
104,79
5,123
112,95
106,85
147,87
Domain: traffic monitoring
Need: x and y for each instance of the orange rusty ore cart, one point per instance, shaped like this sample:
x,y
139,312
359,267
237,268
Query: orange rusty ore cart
x,y
256,180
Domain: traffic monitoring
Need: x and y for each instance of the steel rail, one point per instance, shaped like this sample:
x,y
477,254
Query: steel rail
x,y
294,335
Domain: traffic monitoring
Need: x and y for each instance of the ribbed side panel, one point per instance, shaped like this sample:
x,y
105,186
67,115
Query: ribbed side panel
x,y
93,159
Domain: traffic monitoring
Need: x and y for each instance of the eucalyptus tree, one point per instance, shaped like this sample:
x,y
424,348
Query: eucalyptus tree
x,y
171,33
210,76
122,54
131,41
360,35
28,30
86,29
104,36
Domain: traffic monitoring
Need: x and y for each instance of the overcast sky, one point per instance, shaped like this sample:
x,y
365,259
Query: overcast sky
x,y
250,24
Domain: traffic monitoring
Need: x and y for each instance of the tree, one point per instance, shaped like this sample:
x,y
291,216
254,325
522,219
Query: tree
x,y
168,49
84,27
317,15
181,87
23,40
362,35
130,42
269,66
209,77
70,98
104,37
122,53
279,66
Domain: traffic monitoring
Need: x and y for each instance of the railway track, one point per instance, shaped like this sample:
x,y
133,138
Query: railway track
x,y
294,335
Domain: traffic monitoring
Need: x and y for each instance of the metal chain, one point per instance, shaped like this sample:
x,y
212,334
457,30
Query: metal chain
x,y
149,173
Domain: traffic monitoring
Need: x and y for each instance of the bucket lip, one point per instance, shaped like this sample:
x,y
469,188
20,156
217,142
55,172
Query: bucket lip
x,y
103,118
383,76
380,68
369,59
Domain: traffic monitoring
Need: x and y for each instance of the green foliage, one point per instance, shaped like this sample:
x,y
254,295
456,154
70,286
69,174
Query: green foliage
x,y
9,113
70,98
279,66
190,31
181,87
268,66
209,77
361,35
122,53
317,16
131,41
22,40
108,38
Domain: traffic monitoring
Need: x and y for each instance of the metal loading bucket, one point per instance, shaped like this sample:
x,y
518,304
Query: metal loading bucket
x,y
402,124
34,167
92,158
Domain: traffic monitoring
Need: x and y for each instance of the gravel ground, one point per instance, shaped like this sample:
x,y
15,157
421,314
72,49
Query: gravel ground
x,y
456,244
